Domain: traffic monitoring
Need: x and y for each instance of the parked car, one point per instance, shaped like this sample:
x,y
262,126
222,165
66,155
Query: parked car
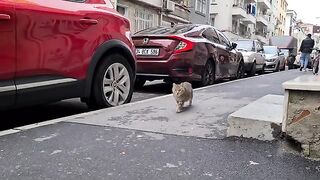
x,y
276,60
186,52
253,56
55,50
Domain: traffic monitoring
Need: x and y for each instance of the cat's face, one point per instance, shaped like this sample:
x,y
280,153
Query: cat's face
x,y
178,89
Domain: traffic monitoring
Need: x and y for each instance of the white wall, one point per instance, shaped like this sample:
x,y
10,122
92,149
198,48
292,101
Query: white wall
x,y
223,19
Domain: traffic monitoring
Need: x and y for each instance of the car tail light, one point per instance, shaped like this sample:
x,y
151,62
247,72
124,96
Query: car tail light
x,y
183,46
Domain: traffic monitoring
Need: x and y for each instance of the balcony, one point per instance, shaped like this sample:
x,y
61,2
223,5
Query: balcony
x,y
265,4
239,11
262,38
249,19
263,19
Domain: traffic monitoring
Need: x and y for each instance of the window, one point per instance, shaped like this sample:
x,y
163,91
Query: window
x,y
122,10
213,21
143,19
223,40
201,6
211,35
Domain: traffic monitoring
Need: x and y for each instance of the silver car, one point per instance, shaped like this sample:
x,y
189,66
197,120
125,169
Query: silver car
x,y
253,56
275,59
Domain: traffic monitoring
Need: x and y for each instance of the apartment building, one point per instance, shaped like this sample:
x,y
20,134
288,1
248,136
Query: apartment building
x,y
242,18
141,13
291,20
149,13
263,20
281,19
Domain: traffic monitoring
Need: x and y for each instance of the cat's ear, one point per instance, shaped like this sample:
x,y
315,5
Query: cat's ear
x,y
174,84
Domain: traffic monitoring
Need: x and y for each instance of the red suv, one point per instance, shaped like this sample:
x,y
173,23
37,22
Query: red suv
x,y
54,50
187,52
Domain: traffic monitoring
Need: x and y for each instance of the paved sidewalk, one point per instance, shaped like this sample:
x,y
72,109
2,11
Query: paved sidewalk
x,y
148,140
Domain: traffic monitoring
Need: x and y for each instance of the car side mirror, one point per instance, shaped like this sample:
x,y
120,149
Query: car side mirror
x,y
260,50
234,45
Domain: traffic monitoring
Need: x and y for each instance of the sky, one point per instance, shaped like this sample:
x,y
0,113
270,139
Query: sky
x,y
307,10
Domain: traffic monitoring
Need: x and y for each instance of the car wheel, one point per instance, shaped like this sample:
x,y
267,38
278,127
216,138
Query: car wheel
x,y
139,83
112,84
253,70
241,71
208,75
262,71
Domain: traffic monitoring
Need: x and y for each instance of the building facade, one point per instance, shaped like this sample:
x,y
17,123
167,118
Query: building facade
x,y
291,20
200,11
281,19
149,13
142,14
242,18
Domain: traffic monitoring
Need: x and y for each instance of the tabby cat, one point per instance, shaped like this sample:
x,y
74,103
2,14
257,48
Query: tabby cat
x,y
182,93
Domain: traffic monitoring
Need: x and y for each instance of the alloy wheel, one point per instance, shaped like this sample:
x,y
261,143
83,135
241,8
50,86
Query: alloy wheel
x,y
116,84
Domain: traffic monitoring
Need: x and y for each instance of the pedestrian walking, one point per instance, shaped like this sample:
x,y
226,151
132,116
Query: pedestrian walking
x,y
306,49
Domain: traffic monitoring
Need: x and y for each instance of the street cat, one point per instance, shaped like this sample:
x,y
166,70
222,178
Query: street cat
x,y
182,93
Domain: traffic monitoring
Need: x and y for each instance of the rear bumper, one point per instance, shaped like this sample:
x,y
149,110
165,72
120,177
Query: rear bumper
x,y
178,67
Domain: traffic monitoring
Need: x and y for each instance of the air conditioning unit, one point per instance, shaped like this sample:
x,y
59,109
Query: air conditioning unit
x,y
169,5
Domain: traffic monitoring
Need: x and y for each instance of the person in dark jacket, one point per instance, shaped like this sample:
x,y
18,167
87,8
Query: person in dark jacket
x,y
306,49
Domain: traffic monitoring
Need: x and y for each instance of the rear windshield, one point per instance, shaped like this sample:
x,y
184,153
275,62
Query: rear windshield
x,y
245,45
161,30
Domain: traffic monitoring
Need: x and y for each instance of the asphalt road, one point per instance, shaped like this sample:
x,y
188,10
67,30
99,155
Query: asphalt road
x,y
21,117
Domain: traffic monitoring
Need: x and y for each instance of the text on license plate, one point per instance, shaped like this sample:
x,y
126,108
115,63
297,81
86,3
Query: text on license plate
x,y
147,52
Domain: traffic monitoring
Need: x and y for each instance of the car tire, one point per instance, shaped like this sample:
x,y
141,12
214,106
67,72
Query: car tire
x,y
262,71
253,69
241,71
208,74
112,84
139,83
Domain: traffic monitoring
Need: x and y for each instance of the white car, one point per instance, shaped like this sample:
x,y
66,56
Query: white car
x,y
275,59
253,56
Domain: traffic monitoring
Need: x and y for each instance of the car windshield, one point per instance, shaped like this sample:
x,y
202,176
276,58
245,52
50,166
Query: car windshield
x,y
270,50
245,45
161,30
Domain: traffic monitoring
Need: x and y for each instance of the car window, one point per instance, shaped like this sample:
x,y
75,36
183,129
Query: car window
x,y
245,45
223,40
211,35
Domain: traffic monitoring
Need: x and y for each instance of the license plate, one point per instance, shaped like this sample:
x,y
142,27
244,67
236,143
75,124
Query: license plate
x,y
147,52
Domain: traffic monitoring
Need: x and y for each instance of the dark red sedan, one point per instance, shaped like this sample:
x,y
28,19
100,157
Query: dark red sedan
x,y
187,52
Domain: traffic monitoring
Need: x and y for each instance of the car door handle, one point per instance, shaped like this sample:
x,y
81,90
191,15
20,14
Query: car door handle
x,y
5,17
89,21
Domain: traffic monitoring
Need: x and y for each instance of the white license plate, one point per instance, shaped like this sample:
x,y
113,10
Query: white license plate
x,y
147,52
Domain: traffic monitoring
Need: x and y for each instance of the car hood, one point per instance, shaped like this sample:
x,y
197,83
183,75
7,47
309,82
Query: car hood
x,y
271,56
